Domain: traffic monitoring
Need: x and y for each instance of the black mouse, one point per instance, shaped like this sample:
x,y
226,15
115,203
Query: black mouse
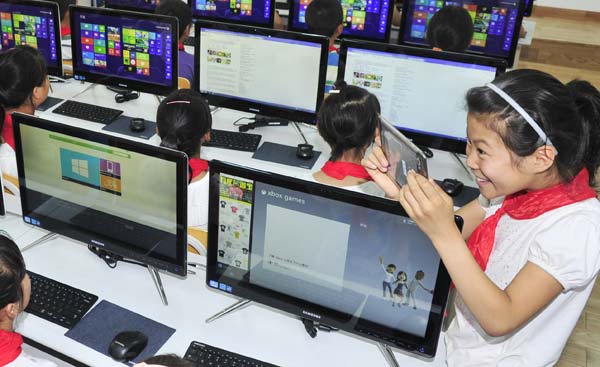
x,y
127,345
137,124
304,151
452,186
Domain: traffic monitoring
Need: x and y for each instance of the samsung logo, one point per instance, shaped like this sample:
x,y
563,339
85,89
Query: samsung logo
x,y
313,315
97,243
122,85
254,109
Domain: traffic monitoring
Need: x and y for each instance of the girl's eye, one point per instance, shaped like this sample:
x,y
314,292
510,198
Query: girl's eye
x,y
480,152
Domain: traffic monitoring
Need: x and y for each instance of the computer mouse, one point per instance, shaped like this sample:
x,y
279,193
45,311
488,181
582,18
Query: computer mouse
x,y
137,124
304,151
127,345
452,186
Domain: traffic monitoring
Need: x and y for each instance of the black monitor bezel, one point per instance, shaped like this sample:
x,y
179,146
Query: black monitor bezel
x,y
117,81
108,5
52,70
257,107
388,25
270,24
510,59
304,309
528,8
429,140
179,267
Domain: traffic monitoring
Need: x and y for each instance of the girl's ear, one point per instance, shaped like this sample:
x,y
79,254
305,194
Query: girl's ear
x,y
543,158
205,137
10,311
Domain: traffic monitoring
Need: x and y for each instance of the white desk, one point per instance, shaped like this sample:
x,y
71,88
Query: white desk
x,y
255,331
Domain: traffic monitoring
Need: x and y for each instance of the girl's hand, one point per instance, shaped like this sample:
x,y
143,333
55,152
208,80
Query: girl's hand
x,y
377,165
429,206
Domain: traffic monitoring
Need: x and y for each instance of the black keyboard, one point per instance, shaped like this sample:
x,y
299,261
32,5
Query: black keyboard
x,y
58,302
233,140
189,41
202,355
86,111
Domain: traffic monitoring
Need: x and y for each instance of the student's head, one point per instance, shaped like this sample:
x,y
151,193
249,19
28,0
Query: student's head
x,y
504,151
63,8
183,121
390,268
401,276
420,274
325,17
450,29
24,80
348,121
165,360
179,10
15,286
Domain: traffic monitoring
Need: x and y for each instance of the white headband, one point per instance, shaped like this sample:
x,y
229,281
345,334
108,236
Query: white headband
x,y
522,112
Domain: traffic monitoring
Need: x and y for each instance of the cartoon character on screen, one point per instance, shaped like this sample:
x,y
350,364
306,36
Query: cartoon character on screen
x,y
412,288
389,277
235,192
401,285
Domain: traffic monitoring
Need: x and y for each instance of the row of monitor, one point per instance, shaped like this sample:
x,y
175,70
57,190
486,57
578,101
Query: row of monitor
x,y
130,199
242,67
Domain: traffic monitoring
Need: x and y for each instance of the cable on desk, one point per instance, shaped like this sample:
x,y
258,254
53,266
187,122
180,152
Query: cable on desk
x,y
236,122
111,259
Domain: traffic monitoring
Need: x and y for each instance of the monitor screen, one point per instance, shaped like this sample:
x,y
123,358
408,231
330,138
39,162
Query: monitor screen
x,y
125,197
36,24
528,8
127,49
496,24
422,92
268,72
363,19
251,12
348,271
147,6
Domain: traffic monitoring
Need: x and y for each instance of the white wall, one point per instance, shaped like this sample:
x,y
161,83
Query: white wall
x,y
589,5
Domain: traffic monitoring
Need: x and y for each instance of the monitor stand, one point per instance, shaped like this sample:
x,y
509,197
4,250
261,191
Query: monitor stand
x,y
234,307
388,354
158,283
47,237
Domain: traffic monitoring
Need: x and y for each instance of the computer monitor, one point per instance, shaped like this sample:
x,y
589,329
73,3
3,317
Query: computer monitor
x,y
263,71
333,273
125,49
496,24
122,196
147,6
421,91
362,19
260,13
528,8
36,24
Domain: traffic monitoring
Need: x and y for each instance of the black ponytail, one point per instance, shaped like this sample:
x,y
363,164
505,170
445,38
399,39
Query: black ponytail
x,y
567,114
12,272
182,119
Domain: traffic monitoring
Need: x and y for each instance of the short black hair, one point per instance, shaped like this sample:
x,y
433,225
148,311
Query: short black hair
x,y
450,29
348,120
63,7
324,16
12,272
177,9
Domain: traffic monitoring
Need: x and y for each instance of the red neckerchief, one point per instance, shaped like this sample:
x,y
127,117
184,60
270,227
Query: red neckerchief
x,y
527,205
65,30
339,170
10,346
7,131
333,48
181,46
198,166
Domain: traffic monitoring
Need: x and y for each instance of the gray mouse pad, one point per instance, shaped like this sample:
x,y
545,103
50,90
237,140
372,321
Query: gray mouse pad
x,y
284,154
121,126
99,326
49,103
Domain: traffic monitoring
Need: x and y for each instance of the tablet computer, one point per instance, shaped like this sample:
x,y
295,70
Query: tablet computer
x,y
401,153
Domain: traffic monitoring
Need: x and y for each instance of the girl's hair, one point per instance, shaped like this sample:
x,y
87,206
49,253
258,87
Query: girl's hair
x,y
22,68
568,114
182,119
347,120
450,29
401,273
420,274
12,272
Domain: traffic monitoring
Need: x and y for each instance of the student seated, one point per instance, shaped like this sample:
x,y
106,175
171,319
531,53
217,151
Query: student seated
x,y
325,18
15,291
165,360
450,29
183,13
65,20
23,86
348,121
183,122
